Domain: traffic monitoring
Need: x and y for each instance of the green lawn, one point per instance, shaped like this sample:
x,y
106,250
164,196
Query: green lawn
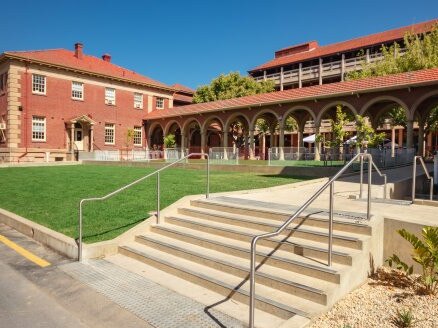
x,y
50,195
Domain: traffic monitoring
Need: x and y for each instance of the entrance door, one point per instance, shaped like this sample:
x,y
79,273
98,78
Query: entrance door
x,y
79,143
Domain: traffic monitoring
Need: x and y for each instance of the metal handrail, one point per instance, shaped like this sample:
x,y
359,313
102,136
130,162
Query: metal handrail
x,y
157,172
384,176
294,216
414,177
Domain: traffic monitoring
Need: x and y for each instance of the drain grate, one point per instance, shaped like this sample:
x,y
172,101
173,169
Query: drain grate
x,y
151,302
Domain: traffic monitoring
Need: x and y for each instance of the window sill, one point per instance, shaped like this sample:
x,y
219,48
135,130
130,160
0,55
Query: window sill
x,y
39,94
77,99
39,141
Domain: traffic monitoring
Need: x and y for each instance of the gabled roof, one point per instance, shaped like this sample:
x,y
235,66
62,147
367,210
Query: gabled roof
x,y
354,44
88,64
372,84
183,88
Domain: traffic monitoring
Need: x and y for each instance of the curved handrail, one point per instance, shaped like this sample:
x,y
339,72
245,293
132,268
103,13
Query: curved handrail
x,y
294,216
414,177
157,172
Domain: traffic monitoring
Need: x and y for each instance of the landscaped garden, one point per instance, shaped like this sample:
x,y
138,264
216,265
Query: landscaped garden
x,y
50,195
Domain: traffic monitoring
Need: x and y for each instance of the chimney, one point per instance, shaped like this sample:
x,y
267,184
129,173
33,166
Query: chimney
x,y
106,57
78,50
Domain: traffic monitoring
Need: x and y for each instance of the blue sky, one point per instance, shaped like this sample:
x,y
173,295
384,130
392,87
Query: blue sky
x,y
191,42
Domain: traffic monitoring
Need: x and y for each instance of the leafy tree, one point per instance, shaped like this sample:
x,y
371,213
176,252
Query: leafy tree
x,y
169,141
395,116
365,132
421,52
232,85
338,126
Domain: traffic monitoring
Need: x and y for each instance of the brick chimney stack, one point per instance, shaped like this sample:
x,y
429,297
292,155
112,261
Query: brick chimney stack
x,y
106,57
78,50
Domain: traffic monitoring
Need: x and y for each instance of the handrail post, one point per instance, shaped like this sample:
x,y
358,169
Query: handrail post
x,y
370,168
80,233
431,188
252,282
158,197
207,195
361,177
414,178
330,241
385,180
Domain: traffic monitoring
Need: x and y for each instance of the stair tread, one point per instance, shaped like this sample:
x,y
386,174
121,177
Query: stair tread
x,y
276,208
302,281
316,214
281,299
249,231
301,242
261,250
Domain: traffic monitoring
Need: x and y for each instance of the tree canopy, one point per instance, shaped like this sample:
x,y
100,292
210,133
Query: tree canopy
x,y
421,52
232,85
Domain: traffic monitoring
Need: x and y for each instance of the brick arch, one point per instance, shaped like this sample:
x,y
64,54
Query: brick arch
x,y
373,101
419,101
212,118
153,126
334,104
264,111
233,117
188,122
291,110
169,125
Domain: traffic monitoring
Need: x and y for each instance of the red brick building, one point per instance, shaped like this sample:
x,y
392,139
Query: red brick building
x,y
54,103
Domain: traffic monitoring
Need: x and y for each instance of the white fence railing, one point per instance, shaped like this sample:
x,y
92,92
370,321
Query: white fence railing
x,y
224,155
174,154
277,155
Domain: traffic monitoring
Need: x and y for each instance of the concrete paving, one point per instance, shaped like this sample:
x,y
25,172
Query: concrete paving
x,y
32,296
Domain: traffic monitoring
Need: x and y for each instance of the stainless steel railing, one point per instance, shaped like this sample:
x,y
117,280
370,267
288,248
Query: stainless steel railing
x,y
414,177
385,179
330,184
157,173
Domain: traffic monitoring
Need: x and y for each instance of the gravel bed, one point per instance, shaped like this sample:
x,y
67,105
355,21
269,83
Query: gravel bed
x,y
375,304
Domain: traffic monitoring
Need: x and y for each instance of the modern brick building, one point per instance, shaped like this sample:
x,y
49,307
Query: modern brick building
x,y
56,102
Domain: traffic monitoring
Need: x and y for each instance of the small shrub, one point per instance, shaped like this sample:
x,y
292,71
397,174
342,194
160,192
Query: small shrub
x,y
403,319
425,253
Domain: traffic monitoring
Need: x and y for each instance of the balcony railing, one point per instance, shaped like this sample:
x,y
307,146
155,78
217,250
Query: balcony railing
x,y
330,69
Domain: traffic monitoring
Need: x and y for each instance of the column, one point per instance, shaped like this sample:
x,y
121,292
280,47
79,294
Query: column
x,y
367,56
271,138
251,144
281,78
264,75
400,137
203,142
183,142
72,137
225,144
91,138
300,71
281,141
246,145
317,144
420,139
410,134
320,71
392,141
342,67
429,144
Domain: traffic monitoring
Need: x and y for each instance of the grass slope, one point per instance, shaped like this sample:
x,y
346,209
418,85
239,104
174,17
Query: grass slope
x,y
50,195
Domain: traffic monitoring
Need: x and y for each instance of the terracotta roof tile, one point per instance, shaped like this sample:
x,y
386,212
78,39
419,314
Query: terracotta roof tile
x,y
88,63
428,76
358,43
183,88
183,98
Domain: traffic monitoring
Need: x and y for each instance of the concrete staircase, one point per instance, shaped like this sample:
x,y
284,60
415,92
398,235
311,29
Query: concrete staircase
x,y
207,243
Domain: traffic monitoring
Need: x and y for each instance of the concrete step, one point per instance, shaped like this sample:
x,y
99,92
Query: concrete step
x,y
282,212
273,301
293,283
261,223
302,247
311,233
276,258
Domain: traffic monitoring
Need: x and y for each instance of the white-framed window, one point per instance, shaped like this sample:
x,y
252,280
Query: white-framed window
x,y
160,103
138,136
38,128
77,90
38,84
138,100
110,133
110,96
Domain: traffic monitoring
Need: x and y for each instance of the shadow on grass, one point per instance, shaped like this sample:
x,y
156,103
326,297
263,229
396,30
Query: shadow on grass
x,y
284,176
102,233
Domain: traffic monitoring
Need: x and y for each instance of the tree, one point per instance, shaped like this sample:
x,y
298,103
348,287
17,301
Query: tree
x,y
338,126
232,85
169,141
421,52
